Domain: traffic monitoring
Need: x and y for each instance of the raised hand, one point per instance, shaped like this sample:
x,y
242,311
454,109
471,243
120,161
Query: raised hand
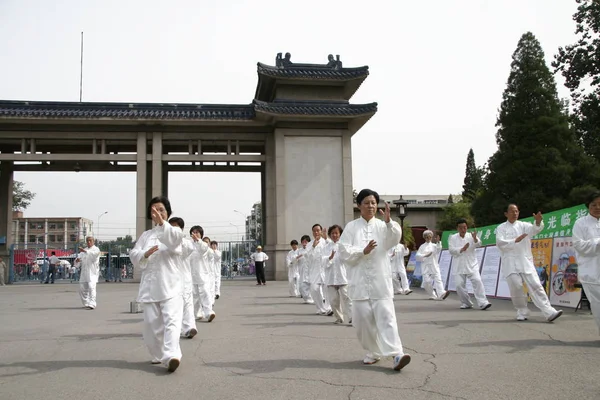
x,y
521,237
157,217
372,244
315,243
474,235
386,214
538,218
465,247
151,251
332,254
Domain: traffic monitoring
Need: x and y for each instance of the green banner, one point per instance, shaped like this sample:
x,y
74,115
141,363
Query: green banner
x,y
556,224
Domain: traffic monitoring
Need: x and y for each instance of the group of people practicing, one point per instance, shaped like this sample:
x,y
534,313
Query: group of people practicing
x,y
181,279
353,273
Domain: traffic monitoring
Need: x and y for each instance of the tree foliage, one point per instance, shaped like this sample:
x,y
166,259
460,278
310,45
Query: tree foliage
x,y
539,161
21,197
454,212
473,182
579,64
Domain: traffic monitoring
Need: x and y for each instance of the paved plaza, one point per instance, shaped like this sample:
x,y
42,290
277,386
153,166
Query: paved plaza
x,y
265,345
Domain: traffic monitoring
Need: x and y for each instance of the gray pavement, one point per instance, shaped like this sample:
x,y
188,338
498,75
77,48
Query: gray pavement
x,y
265,345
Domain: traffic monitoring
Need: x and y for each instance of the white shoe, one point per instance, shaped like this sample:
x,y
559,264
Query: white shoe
x,y
485,307
370,360
401,361
555,315
407,292
445,295
521,318
433,298
338,321
465,307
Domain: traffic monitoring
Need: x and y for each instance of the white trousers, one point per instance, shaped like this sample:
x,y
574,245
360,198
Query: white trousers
x,y
188,320
400,280
431,282
340,302
592,292
212,289
87,292
202,300
162,327
536,292
292,285
316,291
376,327
478,289
305,291
218,284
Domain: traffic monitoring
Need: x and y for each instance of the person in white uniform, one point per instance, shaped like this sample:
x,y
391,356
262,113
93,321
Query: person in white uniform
x,y
214,245
428,255
513,239
466,266
291,261
586,241
363,248
399,278
303,272
188,322
89,259
201,276
314,254
156,253
335,278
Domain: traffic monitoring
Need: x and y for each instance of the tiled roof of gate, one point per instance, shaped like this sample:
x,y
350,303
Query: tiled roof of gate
x,y
59,110
315,108
125,111
319,73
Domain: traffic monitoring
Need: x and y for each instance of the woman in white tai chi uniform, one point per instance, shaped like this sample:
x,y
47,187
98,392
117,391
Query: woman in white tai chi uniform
x,y
335,278
363,248
157,253
89,257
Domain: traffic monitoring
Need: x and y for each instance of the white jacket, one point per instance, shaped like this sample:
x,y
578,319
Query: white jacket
x,y
314,257
586,241
369,276
516,257
464,263
397,254
429,265
335,270
200,269
292,263
161,277
90,265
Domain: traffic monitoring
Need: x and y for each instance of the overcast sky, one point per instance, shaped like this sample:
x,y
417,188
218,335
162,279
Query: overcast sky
x,y
437,69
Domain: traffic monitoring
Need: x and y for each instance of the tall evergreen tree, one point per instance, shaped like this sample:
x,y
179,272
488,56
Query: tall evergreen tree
x,y
539,161
579,64
473,178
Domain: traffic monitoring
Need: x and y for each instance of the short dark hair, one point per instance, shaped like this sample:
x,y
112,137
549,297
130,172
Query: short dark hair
x,y
178,221
214,242
206,238
366,193
511,204
159,199
197,228
461,221
332,227
294,242
53,253
305,237
319,225
593,196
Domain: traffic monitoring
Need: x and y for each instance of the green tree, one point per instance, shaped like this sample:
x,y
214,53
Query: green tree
x,y
21,197
579,64
473,182
452,213
539,161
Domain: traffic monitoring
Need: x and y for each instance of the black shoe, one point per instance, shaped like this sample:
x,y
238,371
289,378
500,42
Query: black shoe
x,y
217,297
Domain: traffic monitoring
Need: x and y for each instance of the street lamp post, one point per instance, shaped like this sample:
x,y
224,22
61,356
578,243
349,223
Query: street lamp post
x,y
237,237
100,216
401,208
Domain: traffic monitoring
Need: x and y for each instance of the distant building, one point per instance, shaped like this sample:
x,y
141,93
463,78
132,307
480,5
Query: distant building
x,y
254,224
53,232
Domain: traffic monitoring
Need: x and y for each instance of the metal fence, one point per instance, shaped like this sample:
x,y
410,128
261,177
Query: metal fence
x,y
30,264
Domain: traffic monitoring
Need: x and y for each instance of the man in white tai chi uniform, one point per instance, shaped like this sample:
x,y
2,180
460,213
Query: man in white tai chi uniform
x,y
90,269
363,248
465,265
513,239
